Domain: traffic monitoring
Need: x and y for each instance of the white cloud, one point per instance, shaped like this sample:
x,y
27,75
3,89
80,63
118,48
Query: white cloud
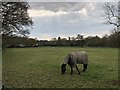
x,y
92,6
45,36
41,13
42,36
57,9
83,12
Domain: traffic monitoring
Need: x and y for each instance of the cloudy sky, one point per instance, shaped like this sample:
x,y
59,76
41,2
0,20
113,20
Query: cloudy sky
x,y
54,19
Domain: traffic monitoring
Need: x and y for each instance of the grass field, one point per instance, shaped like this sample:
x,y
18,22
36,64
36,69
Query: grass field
x,y
40,68
0,67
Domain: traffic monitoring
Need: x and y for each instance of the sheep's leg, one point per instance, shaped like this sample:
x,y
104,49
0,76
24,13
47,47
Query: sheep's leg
x,y
71,70
78,70
84,67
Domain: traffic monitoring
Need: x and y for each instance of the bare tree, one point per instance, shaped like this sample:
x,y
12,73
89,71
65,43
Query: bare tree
x,y
112,11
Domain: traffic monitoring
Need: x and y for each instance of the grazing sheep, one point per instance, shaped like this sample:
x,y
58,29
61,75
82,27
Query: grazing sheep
x,y
72,59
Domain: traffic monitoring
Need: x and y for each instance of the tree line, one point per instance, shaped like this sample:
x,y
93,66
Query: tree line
x,y
91,41
17,41
111,40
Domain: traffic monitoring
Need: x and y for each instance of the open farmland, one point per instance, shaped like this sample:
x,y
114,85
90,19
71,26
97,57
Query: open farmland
x,y
40,68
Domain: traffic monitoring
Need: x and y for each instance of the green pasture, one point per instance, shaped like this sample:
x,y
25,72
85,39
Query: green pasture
x,y
40,68
0,67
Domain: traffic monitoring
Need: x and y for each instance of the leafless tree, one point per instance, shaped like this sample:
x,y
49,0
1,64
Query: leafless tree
x,y
112,11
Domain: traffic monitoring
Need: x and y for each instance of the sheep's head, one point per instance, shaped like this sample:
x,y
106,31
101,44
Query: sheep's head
x,y
63,68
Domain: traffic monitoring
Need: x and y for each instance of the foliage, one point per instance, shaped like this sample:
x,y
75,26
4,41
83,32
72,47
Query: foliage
x,y
90,41
15,19
114,38
106,41
93,41
15,41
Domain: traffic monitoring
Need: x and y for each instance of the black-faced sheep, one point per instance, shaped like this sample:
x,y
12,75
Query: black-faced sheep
x,y
74,58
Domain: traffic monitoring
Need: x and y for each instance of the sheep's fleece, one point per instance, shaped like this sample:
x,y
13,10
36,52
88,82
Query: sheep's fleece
x,y
79,57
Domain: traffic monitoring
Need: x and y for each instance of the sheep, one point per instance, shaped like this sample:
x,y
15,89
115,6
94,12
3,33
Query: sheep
x,y
74,58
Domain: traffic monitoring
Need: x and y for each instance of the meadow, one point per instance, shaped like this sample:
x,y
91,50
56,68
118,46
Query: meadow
x,y
0,67
40,68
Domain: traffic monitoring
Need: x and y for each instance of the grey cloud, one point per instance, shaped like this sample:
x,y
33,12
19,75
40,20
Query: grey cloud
x,y
56,6
71,23
69,7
